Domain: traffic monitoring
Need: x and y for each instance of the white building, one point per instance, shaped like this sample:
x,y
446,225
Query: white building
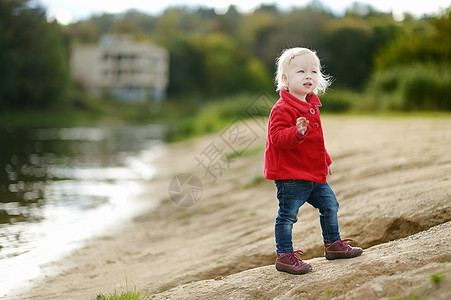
x,y
118,66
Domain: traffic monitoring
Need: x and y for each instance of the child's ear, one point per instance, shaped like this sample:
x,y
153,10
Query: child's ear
x,y
284,79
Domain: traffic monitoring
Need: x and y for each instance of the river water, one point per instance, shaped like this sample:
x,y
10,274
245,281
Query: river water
x,y
61,186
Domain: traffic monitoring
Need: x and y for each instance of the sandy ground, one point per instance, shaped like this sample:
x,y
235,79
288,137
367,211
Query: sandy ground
x,y
391,176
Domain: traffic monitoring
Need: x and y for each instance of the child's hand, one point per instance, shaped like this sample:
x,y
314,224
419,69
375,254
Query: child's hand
x,y
329,170
301,125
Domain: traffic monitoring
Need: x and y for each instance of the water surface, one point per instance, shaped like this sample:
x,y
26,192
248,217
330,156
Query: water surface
x,y
60,186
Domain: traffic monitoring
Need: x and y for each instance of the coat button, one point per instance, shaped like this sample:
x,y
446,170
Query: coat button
x,y
315,125
312,111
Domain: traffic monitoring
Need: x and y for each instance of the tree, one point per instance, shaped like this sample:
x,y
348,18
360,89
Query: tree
x,y
349,45
33,61
212,54
419,42
213,65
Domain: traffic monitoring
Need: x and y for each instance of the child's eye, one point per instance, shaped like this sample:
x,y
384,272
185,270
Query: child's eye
x,y
301,71
314,72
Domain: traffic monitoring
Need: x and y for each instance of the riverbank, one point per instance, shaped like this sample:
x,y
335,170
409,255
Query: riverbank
x,y
392,179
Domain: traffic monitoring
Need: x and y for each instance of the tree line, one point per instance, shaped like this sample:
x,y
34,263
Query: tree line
x,y
213,55
34,68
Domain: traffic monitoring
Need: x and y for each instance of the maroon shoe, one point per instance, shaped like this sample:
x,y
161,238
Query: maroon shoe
x,y
339,249
291,263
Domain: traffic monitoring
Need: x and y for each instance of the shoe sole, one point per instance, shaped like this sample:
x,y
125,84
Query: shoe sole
x,y
291,272
338,256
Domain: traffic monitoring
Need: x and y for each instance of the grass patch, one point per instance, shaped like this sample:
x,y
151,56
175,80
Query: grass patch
x,y
253,182
247,153
256,180
128,294
328,292
122,296
185,120
437,278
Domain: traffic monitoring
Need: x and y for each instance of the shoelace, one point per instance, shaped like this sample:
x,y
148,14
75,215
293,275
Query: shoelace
x,y
344,245
295,256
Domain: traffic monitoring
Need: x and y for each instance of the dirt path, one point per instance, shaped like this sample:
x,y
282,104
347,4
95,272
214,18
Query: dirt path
x,y
392,179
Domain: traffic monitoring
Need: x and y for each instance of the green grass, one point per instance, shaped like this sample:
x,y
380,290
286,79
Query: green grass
x,y
128,294
412,297
437,278
122,296
246,153
186,120
328,292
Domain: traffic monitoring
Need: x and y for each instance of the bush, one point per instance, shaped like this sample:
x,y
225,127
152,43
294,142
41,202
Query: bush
x,y
411,87
216,115
339,100
430,92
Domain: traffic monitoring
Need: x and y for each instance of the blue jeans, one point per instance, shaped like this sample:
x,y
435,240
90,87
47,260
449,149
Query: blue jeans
x,y
292,194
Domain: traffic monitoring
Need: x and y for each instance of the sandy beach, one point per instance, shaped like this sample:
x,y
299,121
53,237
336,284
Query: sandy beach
x,y
392,177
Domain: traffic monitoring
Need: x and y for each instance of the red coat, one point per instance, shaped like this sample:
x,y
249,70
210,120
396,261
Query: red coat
x,y
287,157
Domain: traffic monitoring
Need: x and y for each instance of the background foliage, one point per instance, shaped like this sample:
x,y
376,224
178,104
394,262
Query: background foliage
x,y
377,62
33,58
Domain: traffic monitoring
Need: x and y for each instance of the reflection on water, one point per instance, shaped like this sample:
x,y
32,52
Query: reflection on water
x,y
61,185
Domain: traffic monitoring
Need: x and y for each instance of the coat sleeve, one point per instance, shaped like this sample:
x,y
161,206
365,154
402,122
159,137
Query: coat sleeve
x,y
328,159
282,133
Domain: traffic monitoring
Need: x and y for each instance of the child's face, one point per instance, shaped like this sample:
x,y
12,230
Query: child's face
x,y
302,76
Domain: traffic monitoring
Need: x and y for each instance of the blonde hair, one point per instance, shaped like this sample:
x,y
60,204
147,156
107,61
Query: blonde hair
x,y
283,62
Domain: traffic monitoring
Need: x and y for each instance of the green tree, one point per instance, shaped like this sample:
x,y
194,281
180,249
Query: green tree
x,y
256,35
349,45
227,67
268,31
230,22
216,54
133,22
214,65
33,61
83,32
413,70
167,26
421,41
185,75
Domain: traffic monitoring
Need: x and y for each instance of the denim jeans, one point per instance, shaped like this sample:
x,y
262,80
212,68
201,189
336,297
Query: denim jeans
x,y
292,194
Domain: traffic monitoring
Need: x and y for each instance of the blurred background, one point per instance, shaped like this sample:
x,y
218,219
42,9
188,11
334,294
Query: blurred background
x,y
186,57
87,101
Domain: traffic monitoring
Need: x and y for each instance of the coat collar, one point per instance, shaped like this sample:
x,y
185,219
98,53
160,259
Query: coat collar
x,y
312,100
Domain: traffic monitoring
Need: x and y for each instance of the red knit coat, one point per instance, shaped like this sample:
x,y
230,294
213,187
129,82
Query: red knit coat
x,y
287,157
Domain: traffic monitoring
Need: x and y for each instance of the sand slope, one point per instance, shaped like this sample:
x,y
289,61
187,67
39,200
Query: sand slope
x,y
392,179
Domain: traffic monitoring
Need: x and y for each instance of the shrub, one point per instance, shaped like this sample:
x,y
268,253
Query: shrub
x,y
339,100
411,87
216,115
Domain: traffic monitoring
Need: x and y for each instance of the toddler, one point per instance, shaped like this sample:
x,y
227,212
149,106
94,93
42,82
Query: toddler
x,y
296,158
